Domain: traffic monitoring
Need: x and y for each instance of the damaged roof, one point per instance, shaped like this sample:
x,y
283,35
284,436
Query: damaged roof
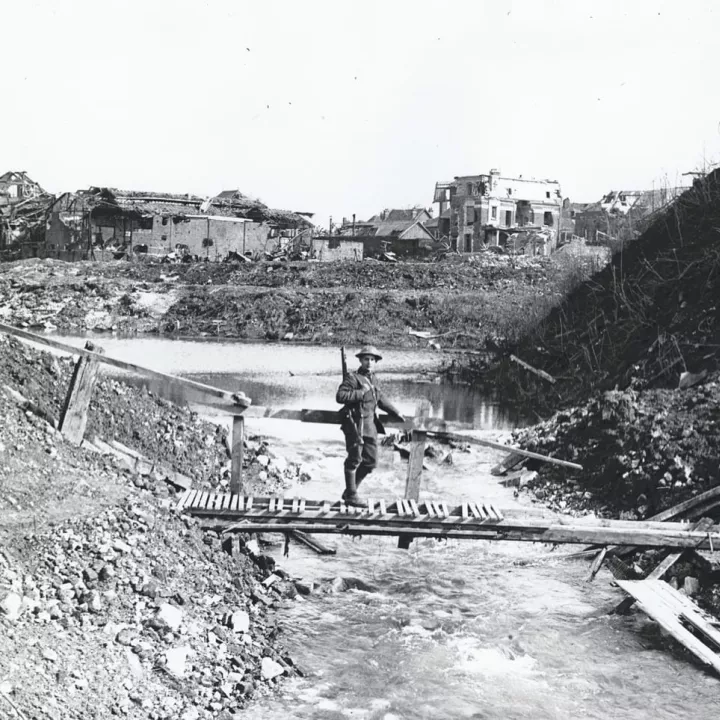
x,y
228,204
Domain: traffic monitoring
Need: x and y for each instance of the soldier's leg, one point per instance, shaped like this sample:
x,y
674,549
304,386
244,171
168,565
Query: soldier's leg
x,y
351,464
368,460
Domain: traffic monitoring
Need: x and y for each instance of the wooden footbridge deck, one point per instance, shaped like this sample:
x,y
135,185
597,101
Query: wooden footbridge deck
x,y
230,512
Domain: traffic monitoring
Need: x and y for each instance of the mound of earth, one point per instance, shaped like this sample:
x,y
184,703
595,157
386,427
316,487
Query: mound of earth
x,y
112,604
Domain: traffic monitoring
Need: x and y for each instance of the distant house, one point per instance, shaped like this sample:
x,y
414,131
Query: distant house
x,y
486,210
106,222
622,214
16,186
23,211
401,224
328,248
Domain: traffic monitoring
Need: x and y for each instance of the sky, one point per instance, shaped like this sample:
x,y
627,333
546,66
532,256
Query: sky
x,y
338,107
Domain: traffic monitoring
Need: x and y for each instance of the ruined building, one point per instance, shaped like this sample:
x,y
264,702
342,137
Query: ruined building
x,y
478,211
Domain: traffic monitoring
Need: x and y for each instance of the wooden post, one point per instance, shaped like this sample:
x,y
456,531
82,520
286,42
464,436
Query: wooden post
x,y
414,476
237,452
74,413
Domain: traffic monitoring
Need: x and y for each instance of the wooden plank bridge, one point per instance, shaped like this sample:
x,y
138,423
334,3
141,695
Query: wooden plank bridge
x,y
230,512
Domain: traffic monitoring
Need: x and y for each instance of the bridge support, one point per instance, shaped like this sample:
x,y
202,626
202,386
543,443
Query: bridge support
x,y
236,454
414,476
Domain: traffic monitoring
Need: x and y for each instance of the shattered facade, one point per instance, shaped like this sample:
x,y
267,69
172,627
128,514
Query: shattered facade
x,y
105,222
623,214
23,211
477,211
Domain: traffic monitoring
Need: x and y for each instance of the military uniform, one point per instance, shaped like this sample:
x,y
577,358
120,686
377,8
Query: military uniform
x,y
361,396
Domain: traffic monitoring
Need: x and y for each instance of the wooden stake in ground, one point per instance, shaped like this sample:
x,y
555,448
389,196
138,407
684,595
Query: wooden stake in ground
x,y
237,452
414,476
74,413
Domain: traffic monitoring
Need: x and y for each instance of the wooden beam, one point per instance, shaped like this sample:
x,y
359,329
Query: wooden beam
x,y
237,399
73,418
673,611
237,454
414,476
539,373
312,543
505,448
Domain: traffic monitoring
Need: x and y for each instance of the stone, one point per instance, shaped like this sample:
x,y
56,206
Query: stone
x,y
239,621
270,669
169,616
11,606
50,655
175,660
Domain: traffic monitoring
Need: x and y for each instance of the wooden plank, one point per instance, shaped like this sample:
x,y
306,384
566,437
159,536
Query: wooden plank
x,y
271,504
193,499
235,502
237,454
295,505
507,463
183,499
464,510
73,417
312,543
237,398
540,373
302,505
249,505
415,463
326,507
498,513
414,508
202,500
505,448
668,610
383,509
370,506
225,502
597,564
446,511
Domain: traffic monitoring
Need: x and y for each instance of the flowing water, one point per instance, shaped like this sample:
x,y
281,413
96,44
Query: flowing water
x,y
454,629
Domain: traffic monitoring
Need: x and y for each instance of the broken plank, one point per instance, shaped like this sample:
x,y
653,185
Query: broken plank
x,y
669,609
540,373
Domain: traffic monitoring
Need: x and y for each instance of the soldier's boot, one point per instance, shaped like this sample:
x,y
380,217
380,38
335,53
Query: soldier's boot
x,y
360,474
350,496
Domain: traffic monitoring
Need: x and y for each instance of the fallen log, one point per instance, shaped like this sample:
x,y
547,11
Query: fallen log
x,y
539,373
312,543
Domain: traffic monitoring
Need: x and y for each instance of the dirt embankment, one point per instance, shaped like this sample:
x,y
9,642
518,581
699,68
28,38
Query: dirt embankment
x,y
111,604
635,353
464,301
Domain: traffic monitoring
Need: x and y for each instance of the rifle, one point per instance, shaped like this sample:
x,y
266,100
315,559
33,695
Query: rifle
x,y
348,424
344,362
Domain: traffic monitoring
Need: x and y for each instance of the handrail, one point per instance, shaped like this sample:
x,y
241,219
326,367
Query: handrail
x,y
236,399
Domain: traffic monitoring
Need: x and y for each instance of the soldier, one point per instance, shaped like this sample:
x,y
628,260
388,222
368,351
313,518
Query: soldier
x,y
362,397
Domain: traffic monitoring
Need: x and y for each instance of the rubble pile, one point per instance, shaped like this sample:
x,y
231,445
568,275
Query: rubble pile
x,y
111,604
641,452
158,429
484,295
134,613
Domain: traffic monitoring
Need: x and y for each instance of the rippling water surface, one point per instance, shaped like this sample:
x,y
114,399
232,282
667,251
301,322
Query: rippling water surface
x,y
447,630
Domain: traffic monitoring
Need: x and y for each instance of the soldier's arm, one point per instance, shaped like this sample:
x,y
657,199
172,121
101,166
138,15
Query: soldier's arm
x,y
348,392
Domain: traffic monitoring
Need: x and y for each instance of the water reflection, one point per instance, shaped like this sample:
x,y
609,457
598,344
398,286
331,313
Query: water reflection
x,y
302,376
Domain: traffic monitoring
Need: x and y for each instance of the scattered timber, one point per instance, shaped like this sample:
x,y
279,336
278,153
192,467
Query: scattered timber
x,y
539,373
505,448
237,398
679,616
312,543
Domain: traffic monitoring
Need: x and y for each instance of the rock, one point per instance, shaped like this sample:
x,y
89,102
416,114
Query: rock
x,y
175,660
11,606
50,655
125,637
169,616
270,669
239,621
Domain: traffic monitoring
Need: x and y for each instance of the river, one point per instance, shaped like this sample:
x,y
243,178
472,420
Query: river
x,y
447,630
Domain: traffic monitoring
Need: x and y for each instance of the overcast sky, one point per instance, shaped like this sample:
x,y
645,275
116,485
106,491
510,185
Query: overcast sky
x,y
349,107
